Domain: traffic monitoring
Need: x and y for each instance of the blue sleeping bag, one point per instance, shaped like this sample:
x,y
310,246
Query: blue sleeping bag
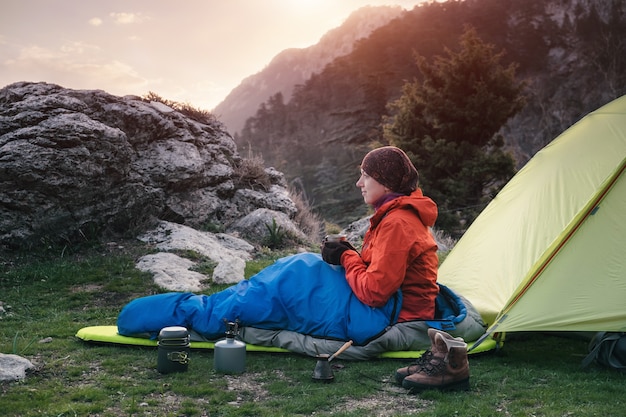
x,y
301,293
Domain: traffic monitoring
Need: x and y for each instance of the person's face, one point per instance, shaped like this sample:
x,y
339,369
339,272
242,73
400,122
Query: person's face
x,y
371,190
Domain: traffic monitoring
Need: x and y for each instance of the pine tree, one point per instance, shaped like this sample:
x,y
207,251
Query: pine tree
x,y
448,123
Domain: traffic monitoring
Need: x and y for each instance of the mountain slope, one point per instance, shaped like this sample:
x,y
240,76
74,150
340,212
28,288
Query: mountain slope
x,y
294,66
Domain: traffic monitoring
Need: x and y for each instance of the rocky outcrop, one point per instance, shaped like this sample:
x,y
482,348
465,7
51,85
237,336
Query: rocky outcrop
x,y
176,273
78,164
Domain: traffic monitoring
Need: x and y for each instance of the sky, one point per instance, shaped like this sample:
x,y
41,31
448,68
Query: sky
x,y
189,51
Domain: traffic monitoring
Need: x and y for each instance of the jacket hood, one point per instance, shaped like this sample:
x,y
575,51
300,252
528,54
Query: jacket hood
x,y
425,208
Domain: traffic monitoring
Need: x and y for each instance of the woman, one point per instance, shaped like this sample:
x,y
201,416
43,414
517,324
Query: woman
x,y
399,251
304,294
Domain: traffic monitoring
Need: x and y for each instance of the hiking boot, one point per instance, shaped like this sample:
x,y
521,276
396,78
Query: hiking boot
x,y
447,369
426,356
413,367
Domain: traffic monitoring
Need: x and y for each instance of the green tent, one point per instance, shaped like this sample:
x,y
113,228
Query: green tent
x,y
549,251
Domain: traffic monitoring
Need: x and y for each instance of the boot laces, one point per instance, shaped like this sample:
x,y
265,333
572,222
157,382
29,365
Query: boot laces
x,y
435,366
420,362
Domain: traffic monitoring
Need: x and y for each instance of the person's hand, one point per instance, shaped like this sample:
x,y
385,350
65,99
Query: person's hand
x,y
332,251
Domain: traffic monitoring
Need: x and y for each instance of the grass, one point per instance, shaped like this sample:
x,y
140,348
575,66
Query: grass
x,y
48,298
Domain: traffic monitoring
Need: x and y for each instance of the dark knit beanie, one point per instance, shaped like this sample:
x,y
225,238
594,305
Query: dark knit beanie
x,y
391,167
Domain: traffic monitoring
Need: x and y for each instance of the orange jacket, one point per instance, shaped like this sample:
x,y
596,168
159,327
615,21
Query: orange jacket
x,y
398,251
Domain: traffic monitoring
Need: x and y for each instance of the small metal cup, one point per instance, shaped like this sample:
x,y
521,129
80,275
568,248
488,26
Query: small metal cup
x,y
335,238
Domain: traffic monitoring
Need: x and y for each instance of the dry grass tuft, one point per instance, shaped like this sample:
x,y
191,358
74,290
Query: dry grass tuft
x,y
194,113
307,220
250,173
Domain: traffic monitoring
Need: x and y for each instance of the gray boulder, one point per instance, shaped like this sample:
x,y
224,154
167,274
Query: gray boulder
x,y
13,367
176,273
262,223
172,271
78,164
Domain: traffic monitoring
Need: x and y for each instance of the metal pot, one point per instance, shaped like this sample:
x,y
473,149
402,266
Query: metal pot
x,y
173,350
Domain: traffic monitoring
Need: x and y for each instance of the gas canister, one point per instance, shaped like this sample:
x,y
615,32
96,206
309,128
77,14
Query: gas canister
x,y
230,353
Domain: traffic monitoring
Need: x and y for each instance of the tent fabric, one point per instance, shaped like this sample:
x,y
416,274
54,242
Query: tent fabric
x,y
548,252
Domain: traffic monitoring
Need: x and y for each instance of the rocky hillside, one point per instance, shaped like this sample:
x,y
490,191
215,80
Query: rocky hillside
x,y
294,66
75,165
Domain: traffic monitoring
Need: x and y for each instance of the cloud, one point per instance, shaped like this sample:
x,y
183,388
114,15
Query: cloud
x,y
123,18
69,49
76,65
95,21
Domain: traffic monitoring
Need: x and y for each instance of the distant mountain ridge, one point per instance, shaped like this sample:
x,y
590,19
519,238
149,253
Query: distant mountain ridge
x,y
294,66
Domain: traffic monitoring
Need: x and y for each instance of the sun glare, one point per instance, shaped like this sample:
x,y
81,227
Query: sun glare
x,y
305,3
307,6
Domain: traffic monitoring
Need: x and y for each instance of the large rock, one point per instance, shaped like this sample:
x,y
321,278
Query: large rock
x,y
13,367
76,164
175,273
264,222
172,272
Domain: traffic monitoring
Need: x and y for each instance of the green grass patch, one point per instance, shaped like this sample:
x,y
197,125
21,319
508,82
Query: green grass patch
x,y
48,299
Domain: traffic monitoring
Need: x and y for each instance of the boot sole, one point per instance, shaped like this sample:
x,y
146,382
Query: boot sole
x,y
462,385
